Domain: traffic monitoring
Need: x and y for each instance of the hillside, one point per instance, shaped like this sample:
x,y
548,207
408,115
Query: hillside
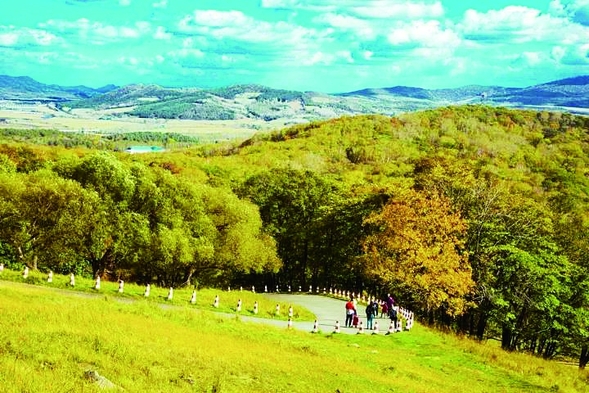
x,y
259,103
140,347
458,211
26,89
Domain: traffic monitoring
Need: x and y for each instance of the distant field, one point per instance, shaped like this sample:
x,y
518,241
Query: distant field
x,y
49,341
22,116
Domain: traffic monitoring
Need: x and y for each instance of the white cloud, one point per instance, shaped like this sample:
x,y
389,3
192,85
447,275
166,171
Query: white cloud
x,y
187,42
385,9
557,53
279,3
97,32
515,24
428,34
161,4
557,8
377,9
345,55
575,10
11,36
161,34
8,39
313,5
128,60
575,55
532,58
125,3
240,27
187,52
360,27
317,58
214,18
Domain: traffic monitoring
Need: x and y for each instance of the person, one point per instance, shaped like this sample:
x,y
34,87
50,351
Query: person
x,y
393,315
384,309
350,310
369,315
390,301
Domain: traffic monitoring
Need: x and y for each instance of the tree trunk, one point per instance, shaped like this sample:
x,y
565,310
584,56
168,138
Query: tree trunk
x,y
187,277
304,263
550,350
541,345
532,346
584,358
506,337
481,326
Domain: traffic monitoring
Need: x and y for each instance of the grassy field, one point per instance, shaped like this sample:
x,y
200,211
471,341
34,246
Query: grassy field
x,y
181,297
49,339
31,116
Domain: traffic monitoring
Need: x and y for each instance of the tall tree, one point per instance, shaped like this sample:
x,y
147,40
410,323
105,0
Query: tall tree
x,y
418,250
291,206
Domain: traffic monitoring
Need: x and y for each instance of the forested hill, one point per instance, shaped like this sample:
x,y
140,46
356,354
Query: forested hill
x,y
475,217
259,102
255,102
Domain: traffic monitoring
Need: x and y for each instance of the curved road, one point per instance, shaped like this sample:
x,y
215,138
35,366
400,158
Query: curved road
x,y
327,310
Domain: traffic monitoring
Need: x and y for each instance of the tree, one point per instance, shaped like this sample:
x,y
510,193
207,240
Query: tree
x,y
291,206
418,250
241,245
36,209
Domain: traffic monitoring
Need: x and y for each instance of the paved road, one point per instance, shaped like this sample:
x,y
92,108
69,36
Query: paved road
x,y
328,311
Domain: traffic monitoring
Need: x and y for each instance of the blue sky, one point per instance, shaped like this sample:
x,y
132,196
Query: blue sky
x,y
321,45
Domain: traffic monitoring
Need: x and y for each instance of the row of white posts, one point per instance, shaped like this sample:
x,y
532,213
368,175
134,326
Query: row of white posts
x,y
406,314
393,327
338,293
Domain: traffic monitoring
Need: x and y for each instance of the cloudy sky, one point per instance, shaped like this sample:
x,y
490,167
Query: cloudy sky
x,y
321,45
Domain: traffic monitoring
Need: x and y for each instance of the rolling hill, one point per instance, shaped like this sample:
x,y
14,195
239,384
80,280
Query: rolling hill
x,y
263,103
26,89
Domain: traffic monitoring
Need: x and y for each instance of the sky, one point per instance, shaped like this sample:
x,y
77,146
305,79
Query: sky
x,y
319,45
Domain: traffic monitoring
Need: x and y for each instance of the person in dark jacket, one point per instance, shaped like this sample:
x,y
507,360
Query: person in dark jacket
x,y
370,315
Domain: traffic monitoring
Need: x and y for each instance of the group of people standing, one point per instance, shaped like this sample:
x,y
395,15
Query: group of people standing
x,y
387,307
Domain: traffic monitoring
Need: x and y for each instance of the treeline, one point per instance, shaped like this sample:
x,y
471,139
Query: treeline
x,y
100,216
124,96
263,93
116,141
474,217
158,138
185,108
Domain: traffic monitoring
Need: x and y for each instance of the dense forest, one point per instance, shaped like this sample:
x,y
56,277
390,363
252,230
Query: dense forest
x,y
475,217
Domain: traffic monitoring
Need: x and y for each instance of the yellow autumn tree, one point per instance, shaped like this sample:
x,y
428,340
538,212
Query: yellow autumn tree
x,y
417,248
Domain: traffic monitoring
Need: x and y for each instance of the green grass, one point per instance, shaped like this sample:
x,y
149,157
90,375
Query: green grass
x,y
48,340
204,299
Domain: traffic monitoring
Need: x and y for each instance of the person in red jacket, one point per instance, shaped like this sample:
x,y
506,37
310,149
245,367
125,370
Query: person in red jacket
x,y
350,311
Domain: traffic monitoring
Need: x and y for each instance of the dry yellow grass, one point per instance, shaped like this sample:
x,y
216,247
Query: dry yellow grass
x,y
39,116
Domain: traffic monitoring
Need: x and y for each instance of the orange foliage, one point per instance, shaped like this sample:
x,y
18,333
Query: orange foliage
x,y
418,249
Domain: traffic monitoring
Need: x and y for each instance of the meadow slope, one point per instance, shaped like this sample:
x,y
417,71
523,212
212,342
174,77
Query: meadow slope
x,y
50,340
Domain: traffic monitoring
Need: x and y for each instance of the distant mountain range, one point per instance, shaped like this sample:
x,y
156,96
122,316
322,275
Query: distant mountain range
x,y
23,88
260,102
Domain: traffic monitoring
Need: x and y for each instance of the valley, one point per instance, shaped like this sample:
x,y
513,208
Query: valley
x,y
242,110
